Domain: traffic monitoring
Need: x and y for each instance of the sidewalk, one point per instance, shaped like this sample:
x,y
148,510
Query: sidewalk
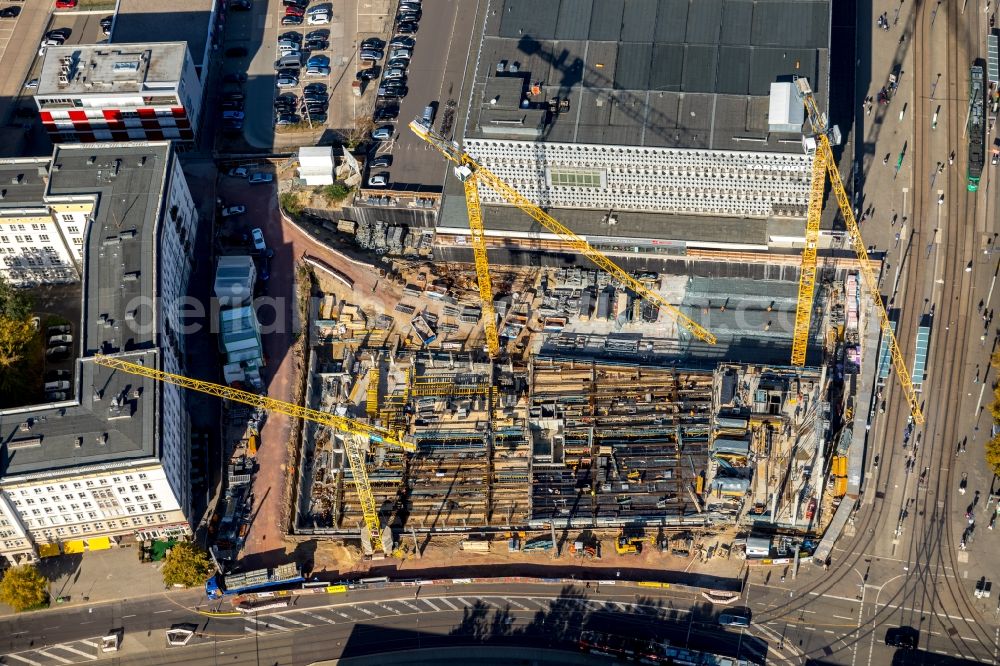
x,y
108,575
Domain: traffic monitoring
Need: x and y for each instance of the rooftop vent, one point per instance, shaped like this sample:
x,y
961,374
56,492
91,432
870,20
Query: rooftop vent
x,y
18,444
17,179
131,277
92,159
102,439
25,426
128,233
78,443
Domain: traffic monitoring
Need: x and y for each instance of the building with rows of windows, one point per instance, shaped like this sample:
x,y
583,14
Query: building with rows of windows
x,y
110,459
119,92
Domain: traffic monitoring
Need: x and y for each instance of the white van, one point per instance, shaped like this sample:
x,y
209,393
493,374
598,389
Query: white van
x,y
57,386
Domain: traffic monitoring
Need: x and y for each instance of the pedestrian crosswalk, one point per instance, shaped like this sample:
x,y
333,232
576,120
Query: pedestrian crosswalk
x,y
71,652
295,619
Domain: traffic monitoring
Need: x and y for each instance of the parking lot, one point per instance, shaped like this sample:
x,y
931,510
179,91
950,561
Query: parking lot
x,y
435,77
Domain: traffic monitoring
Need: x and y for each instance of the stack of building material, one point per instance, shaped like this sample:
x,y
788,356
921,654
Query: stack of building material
x,y
447,479
509,489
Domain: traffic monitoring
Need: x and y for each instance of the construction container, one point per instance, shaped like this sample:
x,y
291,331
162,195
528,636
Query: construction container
x,y
475,546
840,486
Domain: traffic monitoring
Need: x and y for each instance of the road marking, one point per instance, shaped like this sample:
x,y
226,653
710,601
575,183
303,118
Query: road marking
x,y
511,601
843,617
90,643
447,603
410,606
809,628
348,617
271,625
827,631
288,619
248,629
463,602
55,656
125,616
389,608
316,616
25,660
620,606
427,601
75,651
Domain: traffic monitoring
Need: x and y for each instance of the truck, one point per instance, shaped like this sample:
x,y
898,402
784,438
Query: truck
x,y
221,585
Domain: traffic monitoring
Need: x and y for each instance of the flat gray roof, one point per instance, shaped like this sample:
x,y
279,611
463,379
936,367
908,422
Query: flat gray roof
x,y
590,223
128,181
678,73
22,182
115,418
120,425
175,21
112,68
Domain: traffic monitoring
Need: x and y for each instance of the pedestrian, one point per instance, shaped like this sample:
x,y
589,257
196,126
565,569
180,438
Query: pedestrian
x,y
885,160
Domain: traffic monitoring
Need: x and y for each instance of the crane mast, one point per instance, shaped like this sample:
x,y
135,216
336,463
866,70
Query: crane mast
x,y
818,122
576,243
357,435
807,272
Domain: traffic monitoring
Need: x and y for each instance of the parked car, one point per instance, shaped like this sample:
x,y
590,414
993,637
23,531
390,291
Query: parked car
x,y
314,97
236,52
409,6
63,339
369,73
239,172
315,87
288,46
238,77
291,36
318,19
906,638
401,53
287,119
286,82
379,180
318,71
317,118
397,62
383,133
33,83
318,34
389,91
66,4
294,11
107,22
258,238
318,61
382,161
10,12
316,45
294,3
232,105
232,115
56,396
59,330
319,9
408,16
232,124
407,28
291,20
371,54
56,375
259,177
233,210
57,352
388,112
233,95
394,73
288,98
241,4
373,43
401,41
313,110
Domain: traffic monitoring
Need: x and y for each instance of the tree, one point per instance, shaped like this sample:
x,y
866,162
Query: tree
x,y
186,565
24,587
361,132
336,192
15,335
13,304
993,454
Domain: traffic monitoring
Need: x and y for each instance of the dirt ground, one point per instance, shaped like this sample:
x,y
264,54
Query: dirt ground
x,y
442,556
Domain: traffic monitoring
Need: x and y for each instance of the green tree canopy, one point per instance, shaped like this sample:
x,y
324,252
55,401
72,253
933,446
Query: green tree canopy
x,y
993,454
24,587
186,565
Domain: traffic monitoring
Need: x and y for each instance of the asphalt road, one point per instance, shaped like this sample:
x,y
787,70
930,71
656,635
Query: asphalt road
x,y
899,563
365,622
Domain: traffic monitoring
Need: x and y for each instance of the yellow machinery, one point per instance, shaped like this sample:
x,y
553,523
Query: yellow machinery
x,y
628,545
807,274
357,435
818,122
371,405
470,172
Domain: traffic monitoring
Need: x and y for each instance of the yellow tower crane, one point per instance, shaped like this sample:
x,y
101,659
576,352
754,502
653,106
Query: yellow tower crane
x,y
824,157
358,435
470,172
371,407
